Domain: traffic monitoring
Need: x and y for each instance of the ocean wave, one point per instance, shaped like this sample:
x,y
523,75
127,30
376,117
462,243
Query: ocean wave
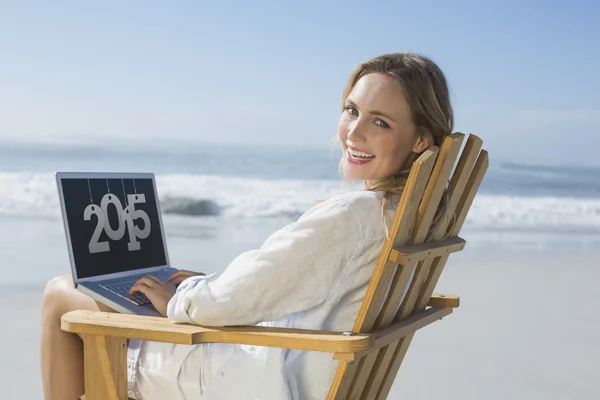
x,y
201,196
563,214
36,195
190,206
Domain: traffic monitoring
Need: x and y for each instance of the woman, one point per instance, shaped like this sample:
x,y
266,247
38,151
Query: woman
x,y
311,274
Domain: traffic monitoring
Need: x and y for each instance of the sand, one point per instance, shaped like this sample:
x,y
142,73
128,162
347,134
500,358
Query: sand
x,y
19,344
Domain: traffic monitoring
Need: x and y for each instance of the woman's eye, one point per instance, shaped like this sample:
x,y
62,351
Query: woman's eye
x,y
382,124
352,110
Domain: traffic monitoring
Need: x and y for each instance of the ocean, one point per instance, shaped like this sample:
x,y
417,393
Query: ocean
x,y
218,200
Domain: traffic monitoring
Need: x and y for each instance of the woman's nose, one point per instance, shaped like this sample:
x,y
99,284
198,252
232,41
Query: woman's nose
x,y
356,132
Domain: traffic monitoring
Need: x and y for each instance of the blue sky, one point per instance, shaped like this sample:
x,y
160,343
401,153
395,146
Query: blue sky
x,y
525,75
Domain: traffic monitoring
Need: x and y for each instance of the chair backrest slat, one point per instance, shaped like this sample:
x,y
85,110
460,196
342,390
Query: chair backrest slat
x,y
463,170
437,184
471,189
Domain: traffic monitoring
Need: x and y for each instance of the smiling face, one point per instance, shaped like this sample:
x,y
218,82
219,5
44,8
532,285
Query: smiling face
x,y
376,129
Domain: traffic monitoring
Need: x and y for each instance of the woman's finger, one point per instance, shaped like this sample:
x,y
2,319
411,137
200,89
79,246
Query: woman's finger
x,y
177,277
153,279
180,276
177,281
144,280
138,287
181,272
173,276
142,286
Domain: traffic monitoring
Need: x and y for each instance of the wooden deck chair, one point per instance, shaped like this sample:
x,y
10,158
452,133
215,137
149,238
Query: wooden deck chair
x,y
399,300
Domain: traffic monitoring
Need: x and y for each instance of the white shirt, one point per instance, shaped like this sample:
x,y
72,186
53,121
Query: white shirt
x,y
311,274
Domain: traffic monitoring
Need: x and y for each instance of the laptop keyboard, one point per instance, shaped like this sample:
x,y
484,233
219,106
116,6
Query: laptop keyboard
x,y
121,288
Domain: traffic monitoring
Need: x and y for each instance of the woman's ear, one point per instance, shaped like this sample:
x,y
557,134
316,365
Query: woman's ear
x,y
422,144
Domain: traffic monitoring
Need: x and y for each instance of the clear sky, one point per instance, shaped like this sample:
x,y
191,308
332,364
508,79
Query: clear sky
x,y
525,75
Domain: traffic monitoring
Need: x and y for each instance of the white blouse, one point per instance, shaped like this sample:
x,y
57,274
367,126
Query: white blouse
x,y
311,274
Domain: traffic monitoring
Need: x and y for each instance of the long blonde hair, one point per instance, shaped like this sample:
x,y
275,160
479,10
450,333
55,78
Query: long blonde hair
x,y
427,93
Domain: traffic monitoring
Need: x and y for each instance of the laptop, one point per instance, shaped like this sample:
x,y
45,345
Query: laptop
x,y
115,235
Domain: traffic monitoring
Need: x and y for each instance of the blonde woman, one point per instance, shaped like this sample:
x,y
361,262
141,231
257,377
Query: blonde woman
x,y
310,274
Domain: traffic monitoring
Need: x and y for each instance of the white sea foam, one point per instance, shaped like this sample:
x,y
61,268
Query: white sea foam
x,y
35,195
535,213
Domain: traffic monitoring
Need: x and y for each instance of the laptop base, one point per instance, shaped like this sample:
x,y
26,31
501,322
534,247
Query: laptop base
x,y
99,293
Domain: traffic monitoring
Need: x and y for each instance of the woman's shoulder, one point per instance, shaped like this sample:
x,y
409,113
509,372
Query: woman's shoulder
x,y
359,207
361,197
359,201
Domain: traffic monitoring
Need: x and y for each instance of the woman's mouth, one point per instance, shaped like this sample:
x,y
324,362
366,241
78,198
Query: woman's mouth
x,y
358,157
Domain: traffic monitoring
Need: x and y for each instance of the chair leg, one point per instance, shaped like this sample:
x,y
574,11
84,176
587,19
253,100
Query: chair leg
x,y
105,364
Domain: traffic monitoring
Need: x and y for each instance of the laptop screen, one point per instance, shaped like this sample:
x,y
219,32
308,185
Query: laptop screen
x,y
114,224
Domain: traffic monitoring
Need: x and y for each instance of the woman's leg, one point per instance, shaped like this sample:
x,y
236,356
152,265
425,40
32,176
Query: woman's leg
x,y
62,352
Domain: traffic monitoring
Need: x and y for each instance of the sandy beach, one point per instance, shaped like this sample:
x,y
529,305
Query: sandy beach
x,y
524,330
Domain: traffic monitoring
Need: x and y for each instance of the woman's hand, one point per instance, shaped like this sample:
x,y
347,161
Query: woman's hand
x,y
181,276
158,292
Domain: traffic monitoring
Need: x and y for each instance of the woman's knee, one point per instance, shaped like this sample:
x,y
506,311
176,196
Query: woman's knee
x,y
57,286
59,296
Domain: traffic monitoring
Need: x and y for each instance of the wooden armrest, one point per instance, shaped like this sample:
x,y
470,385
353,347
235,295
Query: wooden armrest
x,y
159,329
439,300
398,330
345,347
418,252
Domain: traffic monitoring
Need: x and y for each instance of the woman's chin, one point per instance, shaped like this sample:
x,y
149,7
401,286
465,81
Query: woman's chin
x,y
356,177
352,173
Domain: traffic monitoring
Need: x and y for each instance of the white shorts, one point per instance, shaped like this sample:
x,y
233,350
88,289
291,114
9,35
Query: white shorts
x,y
159,371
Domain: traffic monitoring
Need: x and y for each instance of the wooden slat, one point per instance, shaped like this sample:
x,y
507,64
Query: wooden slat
x,y
463,169
467,194
384,269
159,329
463,207
365,365
398,330
105,366
369,366
444,301
419,252
437,185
